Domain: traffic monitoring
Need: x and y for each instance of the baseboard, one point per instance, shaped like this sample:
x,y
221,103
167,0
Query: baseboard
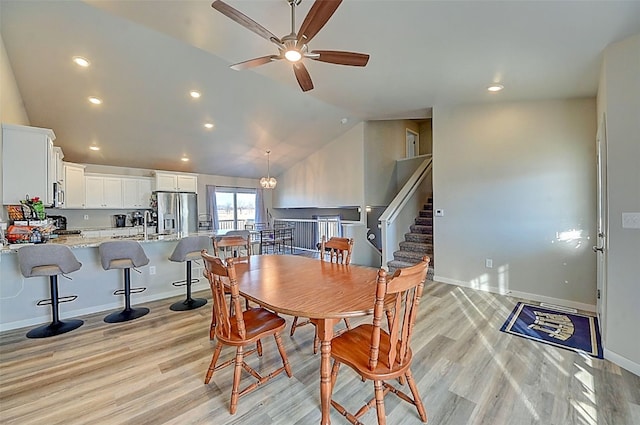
x,y
524,295
622,361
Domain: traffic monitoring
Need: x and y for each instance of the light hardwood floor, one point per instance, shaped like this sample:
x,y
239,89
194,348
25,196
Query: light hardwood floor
x,y
151,371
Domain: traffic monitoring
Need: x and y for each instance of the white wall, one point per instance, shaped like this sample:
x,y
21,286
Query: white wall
x,y
331,177
511,178
11,107
619,101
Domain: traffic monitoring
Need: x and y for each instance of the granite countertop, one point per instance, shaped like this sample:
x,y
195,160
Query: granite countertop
x,y
77,241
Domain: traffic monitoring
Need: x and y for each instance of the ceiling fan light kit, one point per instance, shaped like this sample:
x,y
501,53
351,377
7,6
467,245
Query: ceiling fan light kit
x,y
294,47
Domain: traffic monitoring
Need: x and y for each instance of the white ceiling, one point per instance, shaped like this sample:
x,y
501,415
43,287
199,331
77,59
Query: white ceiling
x,y
146,56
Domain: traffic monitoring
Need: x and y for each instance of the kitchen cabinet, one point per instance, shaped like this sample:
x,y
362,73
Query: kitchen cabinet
x,y
103,191
27,167
136,192
73,184
175,182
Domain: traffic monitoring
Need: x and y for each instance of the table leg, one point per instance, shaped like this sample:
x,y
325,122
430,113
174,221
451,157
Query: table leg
x,y
325,332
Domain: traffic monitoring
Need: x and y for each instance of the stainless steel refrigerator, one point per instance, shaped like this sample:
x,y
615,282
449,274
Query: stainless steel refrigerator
x,y
177,212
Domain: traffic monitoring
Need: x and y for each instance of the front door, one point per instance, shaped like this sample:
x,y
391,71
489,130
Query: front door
x,y
602,223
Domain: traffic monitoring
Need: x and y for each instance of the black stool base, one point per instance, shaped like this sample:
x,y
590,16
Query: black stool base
x,y
54,329
126,315
190,304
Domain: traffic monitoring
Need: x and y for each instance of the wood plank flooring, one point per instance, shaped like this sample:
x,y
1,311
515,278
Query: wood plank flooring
x,y
151,371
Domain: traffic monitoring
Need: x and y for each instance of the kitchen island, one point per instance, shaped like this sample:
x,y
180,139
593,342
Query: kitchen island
x,y
93,285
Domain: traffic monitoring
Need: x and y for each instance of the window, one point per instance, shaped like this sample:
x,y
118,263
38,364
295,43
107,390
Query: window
x,y
235,206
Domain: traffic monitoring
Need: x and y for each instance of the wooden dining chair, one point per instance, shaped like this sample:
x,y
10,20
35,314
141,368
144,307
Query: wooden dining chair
x,y
340,249
379,355
239,328
234,240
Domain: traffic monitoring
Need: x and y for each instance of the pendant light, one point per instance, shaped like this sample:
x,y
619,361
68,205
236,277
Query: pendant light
x,y
268,182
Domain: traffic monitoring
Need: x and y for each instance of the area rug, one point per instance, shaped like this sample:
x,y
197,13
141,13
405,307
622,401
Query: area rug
x,y
571,331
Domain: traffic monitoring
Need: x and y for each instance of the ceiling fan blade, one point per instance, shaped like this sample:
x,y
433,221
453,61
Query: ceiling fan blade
x,y
317,17
303,77
244,20
254,62
340,58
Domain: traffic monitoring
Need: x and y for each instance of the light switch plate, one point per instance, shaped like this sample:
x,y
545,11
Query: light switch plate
x,y
631,220
439,213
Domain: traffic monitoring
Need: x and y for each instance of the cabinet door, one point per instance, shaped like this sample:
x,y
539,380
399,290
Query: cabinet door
x,y
130,198
166,182
112,192
94,189
25,163
74,191
58,164
144,193
187,183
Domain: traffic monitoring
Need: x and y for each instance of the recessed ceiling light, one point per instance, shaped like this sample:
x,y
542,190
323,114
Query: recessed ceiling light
x,y
94,148
208,125
344,120
80,61
195,94
95,100
184,159
494,87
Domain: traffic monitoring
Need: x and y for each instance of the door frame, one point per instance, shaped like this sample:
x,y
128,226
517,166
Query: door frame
x,y
412,143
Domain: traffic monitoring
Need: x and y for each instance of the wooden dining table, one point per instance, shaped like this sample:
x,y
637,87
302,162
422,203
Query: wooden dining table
x,y
308,287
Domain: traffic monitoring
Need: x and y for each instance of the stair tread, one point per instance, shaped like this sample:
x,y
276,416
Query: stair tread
x,y
416,246
417,255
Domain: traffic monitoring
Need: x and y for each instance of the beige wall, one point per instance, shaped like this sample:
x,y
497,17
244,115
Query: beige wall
x,y
384,145
511,178
619,101
331,177
11,107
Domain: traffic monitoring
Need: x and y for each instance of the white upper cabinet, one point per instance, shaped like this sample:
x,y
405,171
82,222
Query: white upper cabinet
x,y
73,183
27,168
175,182
136,192
103,191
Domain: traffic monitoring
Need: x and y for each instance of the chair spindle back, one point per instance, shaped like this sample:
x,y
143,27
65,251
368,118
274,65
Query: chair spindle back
x,y
215,271
340,248
406,286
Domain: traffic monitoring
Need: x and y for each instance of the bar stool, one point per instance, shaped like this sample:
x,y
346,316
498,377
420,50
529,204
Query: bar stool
x,y
188,249
50,260
124,255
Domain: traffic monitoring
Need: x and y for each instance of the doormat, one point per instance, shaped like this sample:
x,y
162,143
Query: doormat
x,y
571,331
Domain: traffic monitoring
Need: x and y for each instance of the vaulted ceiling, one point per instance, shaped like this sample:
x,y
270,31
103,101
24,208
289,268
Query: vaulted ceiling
x,y
147,55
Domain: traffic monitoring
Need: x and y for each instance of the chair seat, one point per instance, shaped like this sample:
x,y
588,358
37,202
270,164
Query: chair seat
x,y
121,263
353,348
258,323
51,270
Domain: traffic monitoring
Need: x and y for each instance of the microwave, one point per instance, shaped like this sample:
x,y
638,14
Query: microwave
x,y
58,195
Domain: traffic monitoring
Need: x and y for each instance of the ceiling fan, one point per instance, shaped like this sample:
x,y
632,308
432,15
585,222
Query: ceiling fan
x,y
294,47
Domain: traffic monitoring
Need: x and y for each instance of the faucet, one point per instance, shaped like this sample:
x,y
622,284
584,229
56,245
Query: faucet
x,y
146,220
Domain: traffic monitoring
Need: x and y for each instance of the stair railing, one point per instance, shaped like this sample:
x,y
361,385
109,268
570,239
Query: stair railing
x,y
401,212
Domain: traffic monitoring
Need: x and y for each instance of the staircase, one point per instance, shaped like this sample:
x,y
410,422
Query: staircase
x,y
417,243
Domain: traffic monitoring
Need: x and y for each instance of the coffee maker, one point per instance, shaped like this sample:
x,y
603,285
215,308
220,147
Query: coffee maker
x,y
121,220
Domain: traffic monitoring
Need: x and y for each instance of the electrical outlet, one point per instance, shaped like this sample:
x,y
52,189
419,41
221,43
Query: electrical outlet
x,y
86,216
152,270
488,263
